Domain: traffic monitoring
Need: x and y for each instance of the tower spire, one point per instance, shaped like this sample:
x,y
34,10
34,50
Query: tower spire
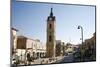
x,y
51,14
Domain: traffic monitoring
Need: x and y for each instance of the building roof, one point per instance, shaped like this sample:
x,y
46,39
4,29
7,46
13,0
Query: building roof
x,y
21,36
14,29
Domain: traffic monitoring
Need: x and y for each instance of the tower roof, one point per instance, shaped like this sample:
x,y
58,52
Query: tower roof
x,y
51,16
51,13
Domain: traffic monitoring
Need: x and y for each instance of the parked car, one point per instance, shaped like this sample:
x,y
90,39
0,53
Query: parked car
x,y
77,56
70,52
66,54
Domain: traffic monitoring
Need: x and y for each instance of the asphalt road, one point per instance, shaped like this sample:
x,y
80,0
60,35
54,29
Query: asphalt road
x,y
67,59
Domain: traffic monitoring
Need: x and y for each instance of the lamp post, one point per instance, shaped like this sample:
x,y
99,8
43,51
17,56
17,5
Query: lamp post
x,y
80,27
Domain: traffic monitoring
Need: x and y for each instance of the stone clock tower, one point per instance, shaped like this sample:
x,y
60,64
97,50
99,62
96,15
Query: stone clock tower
x,y
50,45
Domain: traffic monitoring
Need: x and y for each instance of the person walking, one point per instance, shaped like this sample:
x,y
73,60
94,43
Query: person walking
x,y
29,58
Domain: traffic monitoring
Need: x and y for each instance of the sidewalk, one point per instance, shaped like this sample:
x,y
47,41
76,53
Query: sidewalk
x,y
45,61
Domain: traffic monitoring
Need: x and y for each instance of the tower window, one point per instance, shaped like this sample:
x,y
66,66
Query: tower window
x,y
50,38
50,26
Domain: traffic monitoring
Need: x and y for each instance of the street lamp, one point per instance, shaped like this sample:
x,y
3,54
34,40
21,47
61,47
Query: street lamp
x,y
80,27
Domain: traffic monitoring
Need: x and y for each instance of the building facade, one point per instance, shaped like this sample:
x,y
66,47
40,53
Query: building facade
x,y
71,48
89,47
51,44
60,48
35,47
13,39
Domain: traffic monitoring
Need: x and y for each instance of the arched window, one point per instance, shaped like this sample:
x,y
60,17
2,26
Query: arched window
x,y
50,38
50,26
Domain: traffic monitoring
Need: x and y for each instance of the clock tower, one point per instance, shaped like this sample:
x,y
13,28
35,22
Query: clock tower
x,y
50,45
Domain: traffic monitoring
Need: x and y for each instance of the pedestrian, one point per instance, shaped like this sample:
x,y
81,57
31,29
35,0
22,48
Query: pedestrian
x,y
29,58
16,59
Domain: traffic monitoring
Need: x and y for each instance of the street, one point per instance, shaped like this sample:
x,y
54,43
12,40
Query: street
x,y
67,59
43,61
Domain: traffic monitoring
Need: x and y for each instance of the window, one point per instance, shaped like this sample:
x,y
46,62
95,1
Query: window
x,y
13,37
50,26
50,38
32,45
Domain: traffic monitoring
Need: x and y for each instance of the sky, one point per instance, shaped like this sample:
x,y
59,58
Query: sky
x,y
30,18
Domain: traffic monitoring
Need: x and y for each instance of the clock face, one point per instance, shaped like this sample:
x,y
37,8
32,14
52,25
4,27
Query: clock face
x,y
50,18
